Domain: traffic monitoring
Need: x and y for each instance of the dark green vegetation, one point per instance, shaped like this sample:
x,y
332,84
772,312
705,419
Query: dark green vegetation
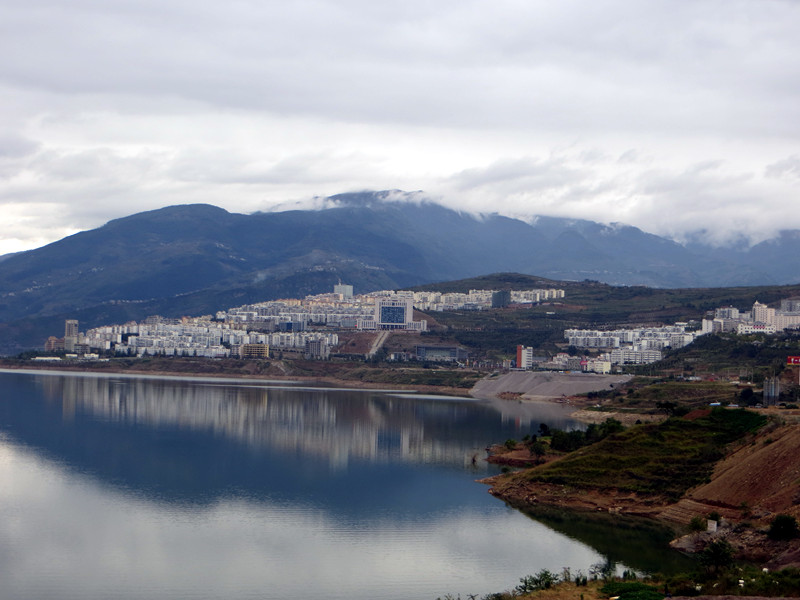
x,y
197,259
631,590
783,527
663,460
717,576
569,441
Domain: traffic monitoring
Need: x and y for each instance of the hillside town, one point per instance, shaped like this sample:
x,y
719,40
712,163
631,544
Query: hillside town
x,y
645,345
312,327
309,327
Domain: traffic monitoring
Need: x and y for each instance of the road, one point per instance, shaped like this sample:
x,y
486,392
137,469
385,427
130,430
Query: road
x,y
380,340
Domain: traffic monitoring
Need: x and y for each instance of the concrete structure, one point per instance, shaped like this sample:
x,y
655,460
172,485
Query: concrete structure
x,y
442,353
772,390
636,345
345,292
254,351
620,356
70,334
526,358
482,299
759,319
393,311
54,344
318,348
759,327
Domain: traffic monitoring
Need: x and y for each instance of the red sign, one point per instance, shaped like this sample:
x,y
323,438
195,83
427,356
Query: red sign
x,y
793,360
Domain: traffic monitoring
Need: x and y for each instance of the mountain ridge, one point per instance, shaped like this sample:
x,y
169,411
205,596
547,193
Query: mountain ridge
x,y
199,258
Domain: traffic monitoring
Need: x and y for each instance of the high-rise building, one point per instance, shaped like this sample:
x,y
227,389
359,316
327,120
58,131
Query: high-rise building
x,y
524,357
345,291
394,312
70,334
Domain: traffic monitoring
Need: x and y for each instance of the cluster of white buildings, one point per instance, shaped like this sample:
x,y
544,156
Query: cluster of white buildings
x,y
759,319
253,329
639,345
202,336
644,338
482,299
526,359
378,310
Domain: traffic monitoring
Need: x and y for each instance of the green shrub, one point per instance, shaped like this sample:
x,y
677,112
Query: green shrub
x,y
783,527
717,556
631,590
543,580
697,524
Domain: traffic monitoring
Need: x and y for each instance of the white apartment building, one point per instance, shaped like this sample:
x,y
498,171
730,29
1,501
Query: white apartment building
x,y
760,319
639,345
479,299
620,356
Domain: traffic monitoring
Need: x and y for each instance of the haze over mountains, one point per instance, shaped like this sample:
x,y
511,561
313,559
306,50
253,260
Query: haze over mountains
x,y
196,259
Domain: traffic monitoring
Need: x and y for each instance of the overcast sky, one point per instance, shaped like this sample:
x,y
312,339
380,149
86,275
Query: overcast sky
x,y
674,116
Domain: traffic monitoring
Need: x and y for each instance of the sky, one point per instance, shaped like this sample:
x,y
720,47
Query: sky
x,y
681,117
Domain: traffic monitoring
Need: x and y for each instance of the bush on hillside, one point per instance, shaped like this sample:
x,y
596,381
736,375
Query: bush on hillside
x,y
783,527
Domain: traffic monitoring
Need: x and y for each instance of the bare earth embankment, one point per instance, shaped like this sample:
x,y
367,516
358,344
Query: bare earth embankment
x,y
545,385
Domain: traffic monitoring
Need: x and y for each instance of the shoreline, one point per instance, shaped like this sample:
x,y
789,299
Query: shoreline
x,y
324,381
526,497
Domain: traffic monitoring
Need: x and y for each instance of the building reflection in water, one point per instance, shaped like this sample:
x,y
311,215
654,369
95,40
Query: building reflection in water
x,y
332,425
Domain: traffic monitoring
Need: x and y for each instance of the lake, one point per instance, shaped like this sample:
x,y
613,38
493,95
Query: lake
x,y
132,487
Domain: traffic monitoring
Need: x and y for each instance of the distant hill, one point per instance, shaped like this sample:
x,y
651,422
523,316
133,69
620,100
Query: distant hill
x,y
196,259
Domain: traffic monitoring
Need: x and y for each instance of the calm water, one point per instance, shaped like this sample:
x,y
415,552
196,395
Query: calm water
x,y
134,487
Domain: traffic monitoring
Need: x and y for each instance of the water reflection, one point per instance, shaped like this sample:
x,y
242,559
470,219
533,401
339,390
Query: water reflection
x,y
621,540
330,424
195,440
156,488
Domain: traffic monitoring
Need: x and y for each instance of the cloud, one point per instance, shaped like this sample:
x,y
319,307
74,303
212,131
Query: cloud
x,y
788,168
724,202
610,110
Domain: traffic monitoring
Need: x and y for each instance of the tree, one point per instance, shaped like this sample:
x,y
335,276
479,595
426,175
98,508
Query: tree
x,y
718,555
697,524
566,442
611,426
783,527
668,408
538,450
747,396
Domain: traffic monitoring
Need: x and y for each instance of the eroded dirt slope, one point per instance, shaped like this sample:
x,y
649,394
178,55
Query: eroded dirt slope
x,y
758,479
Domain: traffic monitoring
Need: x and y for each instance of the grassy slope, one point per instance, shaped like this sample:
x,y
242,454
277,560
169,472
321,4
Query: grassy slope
x,y
664,460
